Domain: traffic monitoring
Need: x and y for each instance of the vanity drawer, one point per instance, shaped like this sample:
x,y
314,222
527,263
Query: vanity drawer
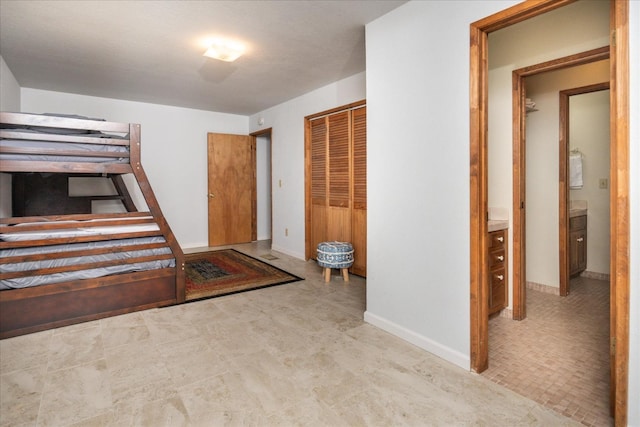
x,y
498,291
578,222
498,278
497,239
496,258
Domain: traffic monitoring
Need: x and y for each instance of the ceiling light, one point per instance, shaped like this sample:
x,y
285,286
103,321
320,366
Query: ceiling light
x,y
224,50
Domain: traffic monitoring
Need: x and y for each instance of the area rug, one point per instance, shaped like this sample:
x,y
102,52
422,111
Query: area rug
x,y
226,271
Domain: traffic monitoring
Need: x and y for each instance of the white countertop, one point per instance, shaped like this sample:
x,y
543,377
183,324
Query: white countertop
x,y
498,224
577,212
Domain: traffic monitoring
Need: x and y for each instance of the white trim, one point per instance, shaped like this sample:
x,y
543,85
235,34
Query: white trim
x,y
287,252
444,352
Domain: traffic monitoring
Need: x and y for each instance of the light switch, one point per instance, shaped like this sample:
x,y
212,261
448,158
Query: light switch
x,y
603,183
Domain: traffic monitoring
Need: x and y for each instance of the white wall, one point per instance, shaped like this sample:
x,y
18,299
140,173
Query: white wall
x,y
9,101
287,156
575,28
9,89
542,166
418,173
6,207
174,150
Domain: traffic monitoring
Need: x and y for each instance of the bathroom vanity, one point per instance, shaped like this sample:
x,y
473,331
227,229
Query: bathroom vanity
x,y
577,241
498,266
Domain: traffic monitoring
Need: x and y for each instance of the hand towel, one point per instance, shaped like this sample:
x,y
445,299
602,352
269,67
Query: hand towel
x,y
575,171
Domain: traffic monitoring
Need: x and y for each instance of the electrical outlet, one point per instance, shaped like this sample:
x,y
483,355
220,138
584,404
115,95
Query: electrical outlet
x,y
603,183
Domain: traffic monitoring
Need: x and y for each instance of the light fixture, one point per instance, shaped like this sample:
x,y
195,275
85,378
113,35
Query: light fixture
x,y
224,50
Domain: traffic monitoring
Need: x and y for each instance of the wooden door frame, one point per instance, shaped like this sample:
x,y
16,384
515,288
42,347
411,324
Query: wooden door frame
x,y
255,135
563,187
479,320
519,167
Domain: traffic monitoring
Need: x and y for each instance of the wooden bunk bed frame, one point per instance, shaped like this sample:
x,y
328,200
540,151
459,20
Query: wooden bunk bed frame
x,y
37,308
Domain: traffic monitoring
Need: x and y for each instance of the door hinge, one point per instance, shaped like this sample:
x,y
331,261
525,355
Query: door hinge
x,y
613,38
613,346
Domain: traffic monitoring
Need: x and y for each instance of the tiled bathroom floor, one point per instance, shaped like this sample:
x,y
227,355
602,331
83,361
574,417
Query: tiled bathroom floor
x,y
558,356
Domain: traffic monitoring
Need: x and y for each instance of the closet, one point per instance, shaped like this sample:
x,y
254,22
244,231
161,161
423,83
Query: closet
x,y
336,180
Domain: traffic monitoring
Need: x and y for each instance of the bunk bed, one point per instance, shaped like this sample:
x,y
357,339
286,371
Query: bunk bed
x,y
60,269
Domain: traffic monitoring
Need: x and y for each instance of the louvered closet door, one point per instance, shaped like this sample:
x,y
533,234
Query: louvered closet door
x,y
359,210
319,195
339,178
338,172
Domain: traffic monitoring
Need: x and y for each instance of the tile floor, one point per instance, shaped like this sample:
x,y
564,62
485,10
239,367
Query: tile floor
x,y
296,354
558,356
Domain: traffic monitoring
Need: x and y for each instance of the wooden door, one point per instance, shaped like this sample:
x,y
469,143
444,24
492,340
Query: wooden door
x,y
339,177
232,186
359,211
336,162
330,179
318,188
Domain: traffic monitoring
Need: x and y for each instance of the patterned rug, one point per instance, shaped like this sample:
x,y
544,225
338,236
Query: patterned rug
x,y
226,271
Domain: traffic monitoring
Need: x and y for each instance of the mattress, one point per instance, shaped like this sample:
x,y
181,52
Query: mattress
x,y
84,228
87,153
24,282
41,143
45,151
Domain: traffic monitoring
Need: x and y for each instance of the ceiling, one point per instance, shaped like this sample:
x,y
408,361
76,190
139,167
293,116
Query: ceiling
x,y
151,51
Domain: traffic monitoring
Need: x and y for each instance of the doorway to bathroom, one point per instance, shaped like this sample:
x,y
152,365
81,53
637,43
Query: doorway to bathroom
x,y
584,213
540,218
565,338
619,187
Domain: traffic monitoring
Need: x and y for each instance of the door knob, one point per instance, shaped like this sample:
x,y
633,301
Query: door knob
x,y
211,196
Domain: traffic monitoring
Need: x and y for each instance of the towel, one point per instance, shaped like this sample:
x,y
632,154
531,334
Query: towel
x,y
529,103
575,171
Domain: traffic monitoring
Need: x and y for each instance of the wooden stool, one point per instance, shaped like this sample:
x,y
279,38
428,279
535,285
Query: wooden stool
x,y
335,255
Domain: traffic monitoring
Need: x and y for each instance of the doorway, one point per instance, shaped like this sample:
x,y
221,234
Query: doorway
x,y
619,188
520,202
569,334
232,188
239,187
264,209
581,116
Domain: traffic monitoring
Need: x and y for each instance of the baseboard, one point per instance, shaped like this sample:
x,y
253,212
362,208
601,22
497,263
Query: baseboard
x,y
556,290
444,352
287,252
543,288
506,312
596,276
